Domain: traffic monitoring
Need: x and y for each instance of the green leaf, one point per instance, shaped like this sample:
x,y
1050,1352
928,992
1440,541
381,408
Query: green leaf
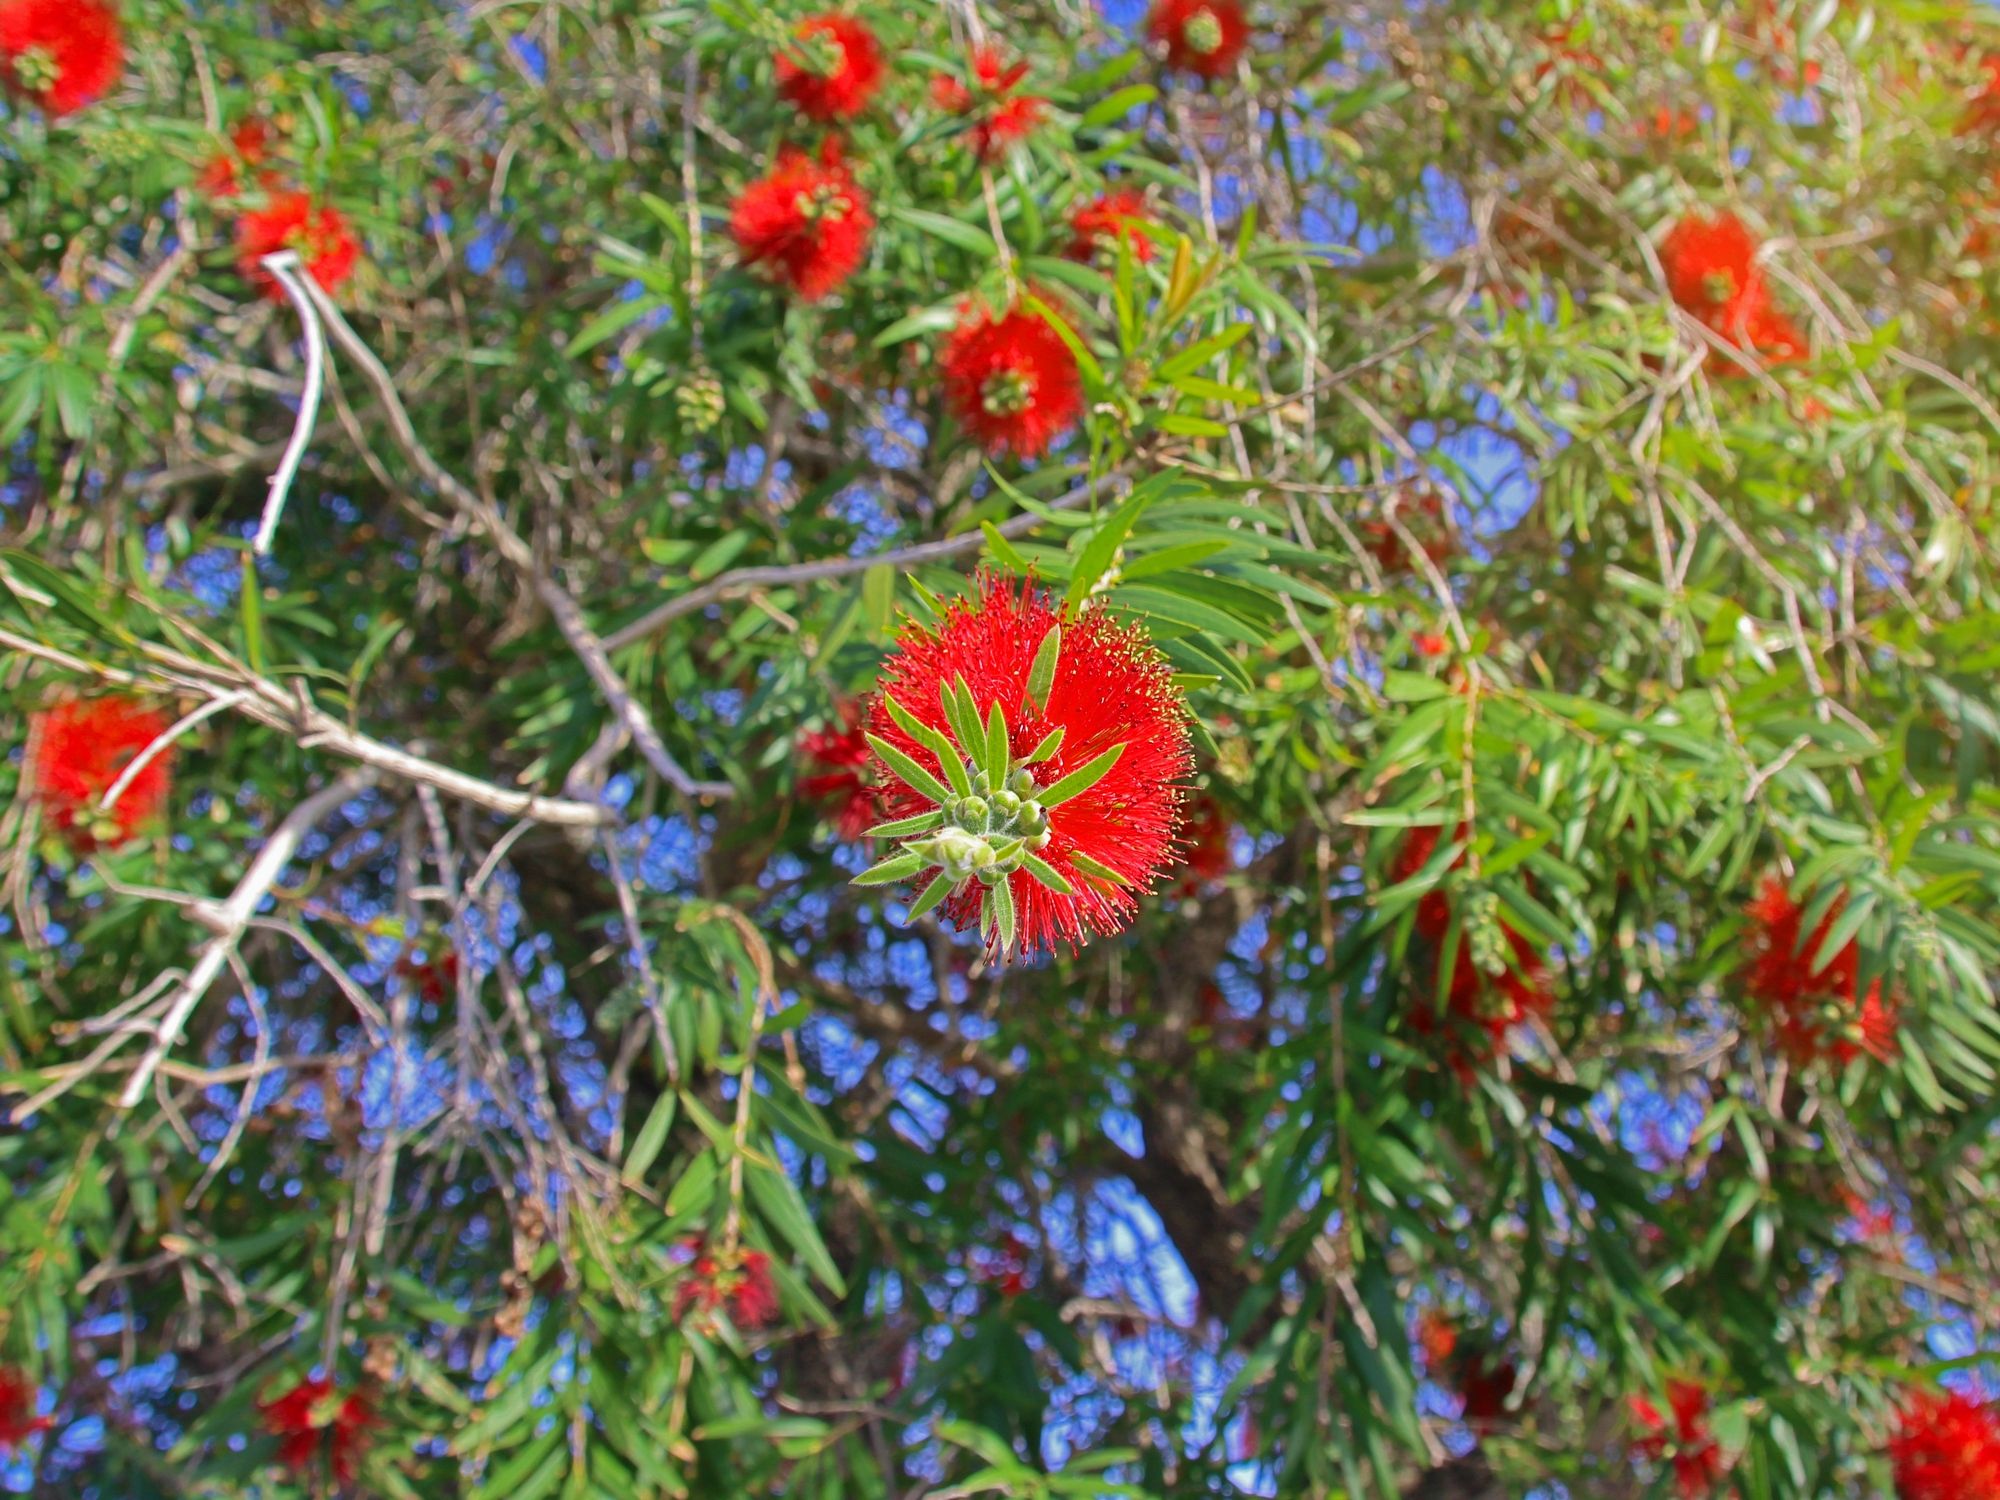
x,y
1003,550
912,775
1047,746
904,827
1047,874
1081,780
939,888
1004,915
996,746
1117,106
1095,559
1042,675
1090,867
645,1148
897,867
952,231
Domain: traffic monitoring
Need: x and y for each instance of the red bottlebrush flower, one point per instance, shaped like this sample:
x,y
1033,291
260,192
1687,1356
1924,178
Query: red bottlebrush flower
x,y
1485,1381
431,978
1204,37
1868,1221
1428,644
1106,219
1000,116
62,54
1670,124
76,753
1710,265
1437,1336
1814,1013
807,222
1982,113
744,1288
1011,381
1685,1442
249,146
1568,61
1946,1447
837,70
312,1418
848,787
1073,859
1492,1004
18,1421
1206,845
1423,514
292,221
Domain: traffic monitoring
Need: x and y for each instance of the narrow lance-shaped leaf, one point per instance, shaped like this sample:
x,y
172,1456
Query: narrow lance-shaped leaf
x,y
996,745
934,740
1088,866
913,775
1050,743
939,888
1081,780
903,866
1004,915
1047,874
961,714
905,827
1042,675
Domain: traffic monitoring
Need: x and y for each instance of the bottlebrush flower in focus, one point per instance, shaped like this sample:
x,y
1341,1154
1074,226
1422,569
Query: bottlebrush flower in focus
x,y
1011,381
1204,37
846,787
1105,220
314,1417
1684,1442
62,54
743,1287
1484,1006
77,751
249,146
18,1421
807,223
1000,116
1946,1447
1815,1012
292,221
1712,274
833,68
1035,760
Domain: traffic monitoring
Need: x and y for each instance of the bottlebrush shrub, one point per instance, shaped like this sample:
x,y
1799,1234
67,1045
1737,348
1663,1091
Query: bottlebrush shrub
x,y
1815,1009
293,221
1204,37
807,223
832,69
1946,1447
1000,117
1010,380
1035,760
739,1283
1105,220
60,54
847,786
1680,1438
18,1421
1712,274
249,146
315,1417
1497,978
77,751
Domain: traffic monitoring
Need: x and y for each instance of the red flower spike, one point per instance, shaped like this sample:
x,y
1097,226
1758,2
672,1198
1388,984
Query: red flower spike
x,y
18,1421
847,788
1814,1013
62,54
807,223
1709,264
313,1417
1039,755
1485,1381
1105,220
1428,644
1946,1447
1011,381
1204,37
836,72
1206,846
76,753
1478,1002
249,146
1437,1336
293,221
1001,117
744,1288
1684,1442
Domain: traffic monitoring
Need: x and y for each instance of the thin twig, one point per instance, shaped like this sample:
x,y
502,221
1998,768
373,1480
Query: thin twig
x,y
286,270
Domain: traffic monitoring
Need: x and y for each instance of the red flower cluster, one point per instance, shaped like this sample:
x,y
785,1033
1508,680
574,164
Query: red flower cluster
x,y
1815,1012
62,54
1110,687
293,221
1000,117
18,1421
836,71
249,146
1479,1374
1982,113
431,979
1206,845
1684,1442
1204,37
1492,1004
312,1418
1563,58
1105,220
1712,274
1011,381
807,222
847,787
1005,1269
1946,1447
1422,511
76,753
1772,33
743,1288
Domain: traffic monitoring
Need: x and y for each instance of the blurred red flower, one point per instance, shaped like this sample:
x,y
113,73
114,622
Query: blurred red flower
x,y
62,54
1204,37
807,222
314,1417
1683,1442
1946,1447
1712,274
249,146
742,1286
1815,1012
1105,220
1000,116
293,221
836,70
1011,381
76,752
847,787
18,1421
